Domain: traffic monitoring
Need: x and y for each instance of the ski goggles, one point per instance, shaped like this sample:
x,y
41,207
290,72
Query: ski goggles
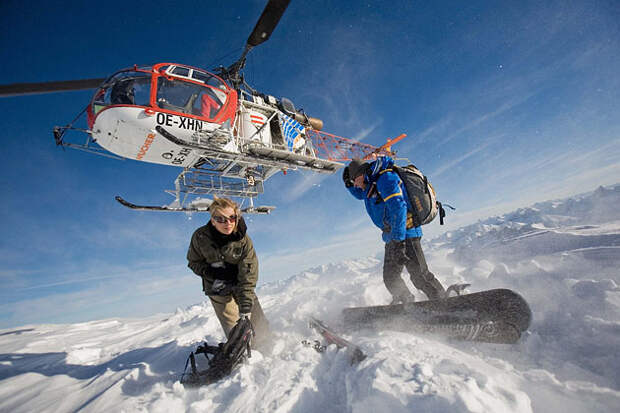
x,y
220,219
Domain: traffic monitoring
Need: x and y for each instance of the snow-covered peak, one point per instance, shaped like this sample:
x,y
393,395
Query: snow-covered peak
x,y
597,207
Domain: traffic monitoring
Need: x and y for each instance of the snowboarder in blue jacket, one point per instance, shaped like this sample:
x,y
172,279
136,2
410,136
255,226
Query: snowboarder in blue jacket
x,y
387,204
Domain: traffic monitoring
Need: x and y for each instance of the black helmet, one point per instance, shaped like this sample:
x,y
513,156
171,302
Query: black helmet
x,y
357,167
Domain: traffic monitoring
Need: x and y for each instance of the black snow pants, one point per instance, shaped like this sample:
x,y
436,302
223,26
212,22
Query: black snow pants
x,y
419,274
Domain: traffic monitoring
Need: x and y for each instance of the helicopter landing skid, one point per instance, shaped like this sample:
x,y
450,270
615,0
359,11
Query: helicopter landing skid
x,y
249,210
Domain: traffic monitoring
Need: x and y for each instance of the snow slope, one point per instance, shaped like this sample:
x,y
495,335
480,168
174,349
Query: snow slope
x,y
562,256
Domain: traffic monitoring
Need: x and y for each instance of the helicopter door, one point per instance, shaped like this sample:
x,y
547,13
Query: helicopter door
x,y
191,98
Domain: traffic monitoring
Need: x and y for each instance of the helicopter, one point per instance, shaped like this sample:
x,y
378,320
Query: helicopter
x,y
227,137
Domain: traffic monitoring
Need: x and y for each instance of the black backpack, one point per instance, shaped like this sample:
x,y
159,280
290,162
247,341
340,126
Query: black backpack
x,y
421,194
225,356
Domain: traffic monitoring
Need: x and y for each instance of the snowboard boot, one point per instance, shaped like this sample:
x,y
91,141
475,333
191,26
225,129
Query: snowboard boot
x,y
433,289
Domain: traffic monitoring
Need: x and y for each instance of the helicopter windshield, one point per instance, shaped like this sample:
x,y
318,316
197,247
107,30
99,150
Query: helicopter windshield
x,y
189,97
128,88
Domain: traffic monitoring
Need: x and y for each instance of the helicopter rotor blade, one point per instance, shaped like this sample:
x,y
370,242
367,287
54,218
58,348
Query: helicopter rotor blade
x,y
267,22
19,89
265,25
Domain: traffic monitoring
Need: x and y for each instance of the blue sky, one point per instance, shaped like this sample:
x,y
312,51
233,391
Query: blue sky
x,y
504,103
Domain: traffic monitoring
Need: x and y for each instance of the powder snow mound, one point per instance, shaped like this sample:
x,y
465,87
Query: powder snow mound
x,y
562,256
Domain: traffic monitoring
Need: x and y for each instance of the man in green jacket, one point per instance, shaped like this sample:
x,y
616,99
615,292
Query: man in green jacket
x,y
222,254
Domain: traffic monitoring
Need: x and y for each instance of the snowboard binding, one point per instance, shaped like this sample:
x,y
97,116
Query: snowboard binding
x,y
457,289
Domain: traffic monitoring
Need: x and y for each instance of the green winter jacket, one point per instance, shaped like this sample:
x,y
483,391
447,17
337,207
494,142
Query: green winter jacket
x,y
235,262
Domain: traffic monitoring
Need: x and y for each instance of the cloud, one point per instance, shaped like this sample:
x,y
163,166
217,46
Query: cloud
x,y
485,117
116,297
365,132
432,130
363,242
451,164
302,185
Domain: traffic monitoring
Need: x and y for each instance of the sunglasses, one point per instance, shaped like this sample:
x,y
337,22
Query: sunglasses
x,y
220,219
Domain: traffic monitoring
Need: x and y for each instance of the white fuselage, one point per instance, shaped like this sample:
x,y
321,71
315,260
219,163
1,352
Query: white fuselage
x,y
131,133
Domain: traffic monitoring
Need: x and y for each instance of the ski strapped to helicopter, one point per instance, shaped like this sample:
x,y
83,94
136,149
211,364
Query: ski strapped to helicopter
x,y
227,137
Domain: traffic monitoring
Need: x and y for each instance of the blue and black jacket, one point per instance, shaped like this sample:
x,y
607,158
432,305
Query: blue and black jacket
x,y
386,201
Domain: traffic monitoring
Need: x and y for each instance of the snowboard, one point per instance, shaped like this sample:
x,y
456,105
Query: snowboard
x,y
492,316
331,337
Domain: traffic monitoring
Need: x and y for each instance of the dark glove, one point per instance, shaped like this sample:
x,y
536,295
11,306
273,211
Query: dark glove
x,y
399,251
346,178
220,287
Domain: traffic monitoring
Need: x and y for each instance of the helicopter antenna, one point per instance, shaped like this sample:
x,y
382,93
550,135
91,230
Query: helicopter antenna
x,y
262,31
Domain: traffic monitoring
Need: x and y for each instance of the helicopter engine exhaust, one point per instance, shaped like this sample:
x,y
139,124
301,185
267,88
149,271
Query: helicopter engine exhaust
x,y
315,123
288,107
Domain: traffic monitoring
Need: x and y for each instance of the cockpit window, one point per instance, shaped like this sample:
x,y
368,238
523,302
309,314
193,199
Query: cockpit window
x,y
208,79
127,88
187,97
181,71
202,77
